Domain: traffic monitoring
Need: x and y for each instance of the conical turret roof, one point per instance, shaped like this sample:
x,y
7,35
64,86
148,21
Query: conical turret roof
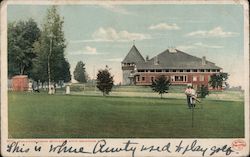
x,y
133,56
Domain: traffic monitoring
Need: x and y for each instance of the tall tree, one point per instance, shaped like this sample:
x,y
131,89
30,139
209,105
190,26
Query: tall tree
x,y
80,73
21,37
161,85
218,80
105,81
51,65
66,77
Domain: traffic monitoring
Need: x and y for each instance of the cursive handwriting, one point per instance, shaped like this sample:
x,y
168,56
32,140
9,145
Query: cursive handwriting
x,y
157,148
66,149
224,149
15,147
193,148
101,147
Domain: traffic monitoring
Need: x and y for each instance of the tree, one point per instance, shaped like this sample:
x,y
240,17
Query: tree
x,y
51,65
80,73
21,37
218,80
105,81
66,77
161,85
202,91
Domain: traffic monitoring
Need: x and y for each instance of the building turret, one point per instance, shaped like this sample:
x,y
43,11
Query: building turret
x,y
129,65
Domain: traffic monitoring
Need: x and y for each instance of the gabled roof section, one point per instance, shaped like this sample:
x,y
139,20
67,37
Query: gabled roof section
x,y
176,60
133,56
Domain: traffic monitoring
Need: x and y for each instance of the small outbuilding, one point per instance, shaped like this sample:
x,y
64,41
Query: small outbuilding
x,y
20,83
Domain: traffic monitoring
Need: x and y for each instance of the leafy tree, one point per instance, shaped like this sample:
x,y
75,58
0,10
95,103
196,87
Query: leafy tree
x,y
218,80
66,77
202,91
80,73
161,85
21,37
105,81
51,65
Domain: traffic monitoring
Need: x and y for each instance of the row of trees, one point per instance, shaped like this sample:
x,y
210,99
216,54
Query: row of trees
x,y
38,53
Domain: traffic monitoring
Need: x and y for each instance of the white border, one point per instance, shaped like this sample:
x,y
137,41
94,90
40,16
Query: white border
x,y
89,142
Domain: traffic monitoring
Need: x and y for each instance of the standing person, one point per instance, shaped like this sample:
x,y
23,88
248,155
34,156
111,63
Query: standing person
x,y
188,93
193,97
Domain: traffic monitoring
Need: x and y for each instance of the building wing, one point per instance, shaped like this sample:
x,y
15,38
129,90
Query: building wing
x,y
176,60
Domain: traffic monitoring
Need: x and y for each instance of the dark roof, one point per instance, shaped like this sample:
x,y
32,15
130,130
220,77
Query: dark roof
x,y
176,60
134,56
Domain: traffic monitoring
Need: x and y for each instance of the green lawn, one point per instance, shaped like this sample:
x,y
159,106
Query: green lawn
x,y
45,116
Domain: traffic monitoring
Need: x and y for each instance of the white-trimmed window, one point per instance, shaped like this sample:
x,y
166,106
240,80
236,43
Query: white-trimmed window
x,y
179,78
185,78
172,78
194,78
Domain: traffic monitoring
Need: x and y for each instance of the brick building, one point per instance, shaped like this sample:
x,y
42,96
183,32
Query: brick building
x,y
181,68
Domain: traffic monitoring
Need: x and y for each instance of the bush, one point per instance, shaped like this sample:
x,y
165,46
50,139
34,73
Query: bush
x,y
202,91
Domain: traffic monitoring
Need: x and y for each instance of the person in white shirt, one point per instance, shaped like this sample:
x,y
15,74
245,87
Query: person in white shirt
x,y
193,97
188,93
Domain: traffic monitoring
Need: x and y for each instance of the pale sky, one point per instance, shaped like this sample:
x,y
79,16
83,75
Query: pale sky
x,y
102,35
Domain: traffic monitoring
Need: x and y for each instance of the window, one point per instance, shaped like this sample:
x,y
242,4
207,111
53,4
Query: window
x,y
181,70
152,79
218,70
188,70
213,70
152,70
141,70
194,78
202,70
138,78
202,78
143,78
208,70
195,70
185,78
174,70
178,78
172,78
167,70
158,70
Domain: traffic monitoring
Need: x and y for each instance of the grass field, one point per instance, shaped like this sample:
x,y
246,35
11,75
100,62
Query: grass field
x,y
82,116
175,92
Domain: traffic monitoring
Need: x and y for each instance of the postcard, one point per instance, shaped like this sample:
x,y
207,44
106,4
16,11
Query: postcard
x,y
124,78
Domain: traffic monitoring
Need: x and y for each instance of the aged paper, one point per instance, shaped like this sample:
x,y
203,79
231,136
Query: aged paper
x,y
124,78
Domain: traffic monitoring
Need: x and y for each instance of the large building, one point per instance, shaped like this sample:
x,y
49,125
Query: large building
x,y
179,67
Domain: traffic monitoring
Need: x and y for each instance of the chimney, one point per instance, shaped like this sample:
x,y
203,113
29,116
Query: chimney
x,y
203,60
172,50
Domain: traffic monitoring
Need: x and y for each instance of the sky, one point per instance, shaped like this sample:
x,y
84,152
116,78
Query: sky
x,y
103,34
